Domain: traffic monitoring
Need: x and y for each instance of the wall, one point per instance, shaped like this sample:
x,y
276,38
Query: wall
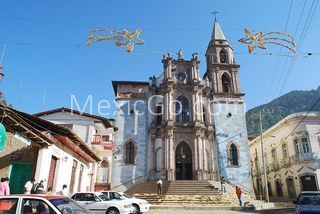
x,y
232,130
63,169
131,127
12,144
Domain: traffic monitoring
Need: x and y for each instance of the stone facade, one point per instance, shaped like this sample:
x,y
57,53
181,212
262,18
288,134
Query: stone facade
x,y
183,127
291,154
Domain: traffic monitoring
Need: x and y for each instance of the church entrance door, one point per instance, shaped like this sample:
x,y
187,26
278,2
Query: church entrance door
x,y
183,162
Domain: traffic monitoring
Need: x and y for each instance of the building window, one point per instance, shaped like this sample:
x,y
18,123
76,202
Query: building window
x,y
182,109
223,56
103,172
274,156
233,152
129,153
297,148
285,151
305,145
226,86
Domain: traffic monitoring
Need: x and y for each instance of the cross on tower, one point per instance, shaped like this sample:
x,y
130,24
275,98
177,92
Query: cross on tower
x,y
215,14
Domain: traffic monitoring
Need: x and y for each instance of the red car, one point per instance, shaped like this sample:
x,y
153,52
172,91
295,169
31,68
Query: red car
x,y
40,204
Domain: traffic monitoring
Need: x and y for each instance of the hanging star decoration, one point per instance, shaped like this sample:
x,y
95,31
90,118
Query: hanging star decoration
x,y
124,37
259,40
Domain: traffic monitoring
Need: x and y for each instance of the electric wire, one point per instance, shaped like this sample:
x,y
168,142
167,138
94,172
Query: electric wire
x,y
303,35
278,58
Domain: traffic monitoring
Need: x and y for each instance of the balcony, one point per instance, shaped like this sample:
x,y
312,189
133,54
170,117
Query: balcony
x,y
103,141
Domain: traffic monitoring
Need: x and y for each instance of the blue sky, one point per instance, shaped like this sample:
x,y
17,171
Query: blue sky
x,y
46,52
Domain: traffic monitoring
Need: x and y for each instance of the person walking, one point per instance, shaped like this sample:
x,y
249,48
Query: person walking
x,y
64,191
223,181
159,183
4,187
39,189
29,186
239,193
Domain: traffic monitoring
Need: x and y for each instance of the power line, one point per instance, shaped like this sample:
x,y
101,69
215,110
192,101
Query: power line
x,y
285,64
303,35
278,58
302,119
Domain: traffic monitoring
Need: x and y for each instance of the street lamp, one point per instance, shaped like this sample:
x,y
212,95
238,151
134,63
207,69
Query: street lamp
x,y
263,161
1,73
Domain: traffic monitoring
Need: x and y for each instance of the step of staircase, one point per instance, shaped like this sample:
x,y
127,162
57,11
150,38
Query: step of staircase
x,y
176,188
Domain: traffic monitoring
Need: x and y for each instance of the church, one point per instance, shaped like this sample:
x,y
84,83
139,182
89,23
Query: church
x,y
183,126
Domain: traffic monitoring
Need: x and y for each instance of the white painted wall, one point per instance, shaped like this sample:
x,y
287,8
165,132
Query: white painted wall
x,y
63,169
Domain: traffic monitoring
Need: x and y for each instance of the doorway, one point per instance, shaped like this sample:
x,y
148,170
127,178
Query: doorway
x,y
308,183
279,188
21,172
291,188
52,171
183,157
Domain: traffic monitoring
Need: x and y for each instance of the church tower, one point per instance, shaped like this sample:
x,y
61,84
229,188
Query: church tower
x,y
228,110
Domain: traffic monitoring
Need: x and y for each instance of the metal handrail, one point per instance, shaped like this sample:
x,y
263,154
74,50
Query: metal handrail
x,y
245,189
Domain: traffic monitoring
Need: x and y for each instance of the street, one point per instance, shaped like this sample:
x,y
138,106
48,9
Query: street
x,y
207,211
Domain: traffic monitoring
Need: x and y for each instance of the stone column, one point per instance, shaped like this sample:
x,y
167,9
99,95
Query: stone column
x,y
152,158
195,155
204,156
163,158
170,156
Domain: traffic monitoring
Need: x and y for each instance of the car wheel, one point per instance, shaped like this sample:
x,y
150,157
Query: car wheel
x,y
112,211
136,209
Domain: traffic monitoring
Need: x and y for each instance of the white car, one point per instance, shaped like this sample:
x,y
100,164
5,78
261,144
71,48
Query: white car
x,y
98,202
41,204
139,205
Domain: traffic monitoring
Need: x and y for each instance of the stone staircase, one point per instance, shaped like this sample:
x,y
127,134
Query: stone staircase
x,y
183,193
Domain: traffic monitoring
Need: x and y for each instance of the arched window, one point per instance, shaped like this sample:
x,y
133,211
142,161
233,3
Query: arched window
x,y
103,172
233,152
223,56
129,153
182,109
226,86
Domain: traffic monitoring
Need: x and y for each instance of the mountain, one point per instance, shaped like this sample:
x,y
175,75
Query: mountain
x,y
279,108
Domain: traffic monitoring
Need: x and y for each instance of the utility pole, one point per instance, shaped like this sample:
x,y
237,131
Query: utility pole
x,y
266,191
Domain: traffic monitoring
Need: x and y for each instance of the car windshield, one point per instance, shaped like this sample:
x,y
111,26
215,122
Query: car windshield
x,y
310,199
104,197
68,206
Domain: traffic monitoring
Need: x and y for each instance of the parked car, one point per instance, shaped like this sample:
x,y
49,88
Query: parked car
x,y
40,204
139,205
308,202
98,202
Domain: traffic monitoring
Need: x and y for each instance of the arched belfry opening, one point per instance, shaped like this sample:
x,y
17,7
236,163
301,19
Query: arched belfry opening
x,y
183,157
226,83
223,56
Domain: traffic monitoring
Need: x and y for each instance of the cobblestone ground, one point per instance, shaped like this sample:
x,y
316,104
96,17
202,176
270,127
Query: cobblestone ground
x,y
195,211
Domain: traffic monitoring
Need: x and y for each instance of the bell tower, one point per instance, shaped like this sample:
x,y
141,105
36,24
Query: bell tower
x,y
222,71
227,105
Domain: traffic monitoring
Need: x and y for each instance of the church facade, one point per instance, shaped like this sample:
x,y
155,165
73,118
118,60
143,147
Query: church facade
x,y
181,126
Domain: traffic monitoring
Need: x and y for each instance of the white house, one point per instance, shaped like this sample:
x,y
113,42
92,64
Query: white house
x,y
97,132
36,148
292,151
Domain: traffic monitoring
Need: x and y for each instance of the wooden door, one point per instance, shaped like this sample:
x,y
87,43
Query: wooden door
x,y
73,175
308,183
52,171
80,178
